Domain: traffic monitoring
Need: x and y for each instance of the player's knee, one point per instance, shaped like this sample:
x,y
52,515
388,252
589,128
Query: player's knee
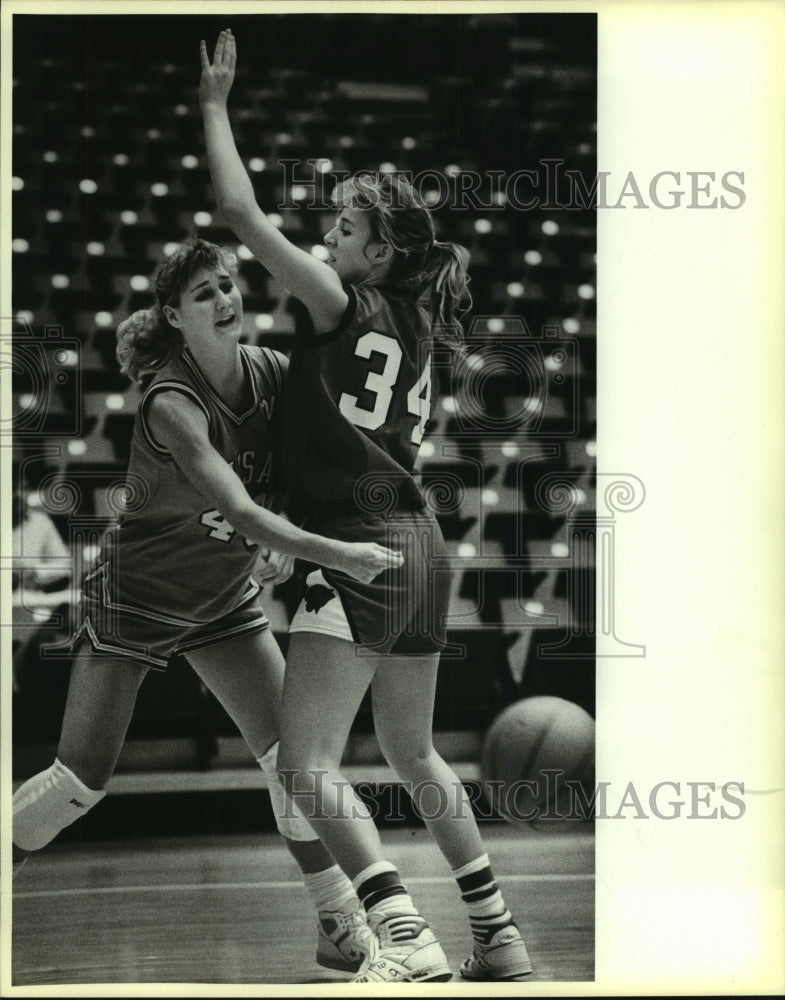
x,y
280,766
296,761
295,772
289,819
410,760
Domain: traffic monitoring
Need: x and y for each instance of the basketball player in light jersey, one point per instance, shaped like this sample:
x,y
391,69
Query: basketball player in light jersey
x,y
359,395
175,574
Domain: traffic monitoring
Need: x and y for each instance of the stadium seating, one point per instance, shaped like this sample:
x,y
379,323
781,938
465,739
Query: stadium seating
x,y
109,168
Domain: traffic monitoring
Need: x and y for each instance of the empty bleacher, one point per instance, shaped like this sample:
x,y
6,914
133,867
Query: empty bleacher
x,y
109,168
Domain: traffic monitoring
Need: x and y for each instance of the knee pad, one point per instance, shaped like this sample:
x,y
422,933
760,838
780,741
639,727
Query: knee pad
x,y
290,821
47,803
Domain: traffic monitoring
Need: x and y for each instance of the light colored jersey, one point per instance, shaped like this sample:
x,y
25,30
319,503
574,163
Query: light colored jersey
x,y
172,554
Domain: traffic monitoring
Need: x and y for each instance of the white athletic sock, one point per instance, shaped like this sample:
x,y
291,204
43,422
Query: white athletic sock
x,y
50,801
331,889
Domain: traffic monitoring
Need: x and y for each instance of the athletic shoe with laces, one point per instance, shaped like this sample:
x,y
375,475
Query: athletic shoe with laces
x,y
345,939
503,958
405,951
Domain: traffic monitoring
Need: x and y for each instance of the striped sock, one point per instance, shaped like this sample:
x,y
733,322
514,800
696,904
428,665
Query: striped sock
x,y
380,889
479,891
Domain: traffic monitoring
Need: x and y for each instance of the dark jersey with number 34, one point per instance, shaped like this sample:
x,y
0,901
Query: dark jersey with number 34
x,y
172,556
357,402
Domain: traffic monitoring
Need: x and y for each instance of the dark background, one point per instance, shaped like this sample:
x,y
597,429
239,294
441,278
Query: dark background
x,y
488,92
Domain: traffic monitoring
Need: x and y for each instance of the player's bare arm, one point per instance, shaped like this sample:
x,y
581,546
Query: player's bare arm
x,y
316,285
181,427
273,568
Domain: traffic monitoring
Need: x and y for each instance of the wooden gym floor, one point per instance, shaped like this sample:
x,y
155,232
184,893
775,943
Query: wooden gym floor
x,y
232,910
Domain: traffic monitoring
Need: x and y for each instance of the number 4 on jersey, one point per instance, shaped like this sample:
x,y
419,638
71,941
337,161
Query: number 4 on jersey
x,y
382,384
220,527
419,402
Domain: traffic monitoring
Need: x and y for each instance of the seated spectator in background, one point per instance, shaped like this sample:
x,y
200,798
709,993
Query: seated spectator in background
x,y
41,583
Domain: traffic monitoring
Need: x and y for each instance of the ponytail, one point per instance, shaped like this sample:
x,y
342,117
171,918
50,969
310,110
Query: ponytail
x,y
145,343
398,216
447,271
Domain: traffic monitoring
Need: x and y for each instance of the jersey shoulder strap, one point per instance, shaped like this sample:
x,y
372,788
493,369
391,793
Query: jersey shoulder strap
x,y
157,387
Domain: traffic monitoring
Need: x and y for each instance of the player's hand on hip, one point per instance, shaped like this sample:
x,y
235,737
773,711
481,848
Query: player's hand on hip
x,y
366,560
218,76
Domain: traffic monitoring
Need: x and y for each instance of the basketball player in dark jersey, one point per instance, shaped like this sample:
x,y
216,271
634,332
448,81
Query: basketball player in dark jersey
x,y
358,398
175,574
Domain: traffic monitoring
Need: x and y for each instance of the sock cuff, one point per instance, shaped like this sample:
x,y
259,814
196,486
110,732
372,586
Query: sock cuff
x,y
330,889
61,774
472,867
377,868
325,879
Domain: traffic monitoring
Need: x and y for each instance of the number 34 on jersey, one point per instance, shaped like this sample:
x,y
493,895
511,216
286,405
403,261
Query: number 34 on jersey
x,y
383,383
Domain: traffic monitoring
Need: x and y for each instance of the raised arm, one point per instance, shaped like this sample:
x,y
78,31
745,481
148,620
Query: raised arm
x,y
181,427
308,279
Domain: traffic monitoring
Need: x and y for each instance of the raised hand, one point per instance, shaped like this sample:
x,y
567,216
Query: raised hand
x,y
364,561
218,76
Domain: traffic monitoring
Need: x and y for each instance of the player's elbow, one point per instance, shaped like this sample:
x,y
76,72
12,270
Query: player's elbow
x,y
243,515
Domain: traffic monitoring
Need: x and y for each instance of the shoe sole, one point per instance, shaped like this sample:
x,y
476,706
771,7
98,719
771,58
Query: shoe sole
x,y
428,963
439,972
433,968
516,977
438,977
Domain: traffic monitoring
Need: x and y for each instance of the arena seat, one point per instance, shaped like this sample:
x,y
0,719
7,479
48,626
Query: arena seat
x,y
522,92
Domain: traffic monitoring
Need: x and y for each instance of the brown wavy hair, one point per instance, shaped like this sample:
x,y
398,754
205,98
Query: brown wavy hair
x,y
147,341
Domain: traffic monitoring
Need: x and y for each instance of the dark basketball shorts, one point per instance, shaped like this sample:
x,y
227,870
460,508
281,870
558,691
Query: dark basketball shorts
x,y
402,611
138,633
